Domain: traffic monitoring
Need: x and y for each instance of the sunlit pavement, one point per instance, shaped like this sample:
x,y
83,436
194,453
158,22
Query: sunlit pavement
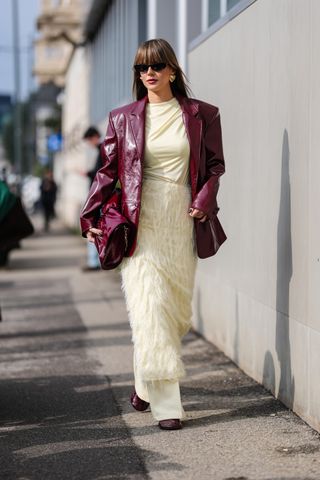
x,y
66,377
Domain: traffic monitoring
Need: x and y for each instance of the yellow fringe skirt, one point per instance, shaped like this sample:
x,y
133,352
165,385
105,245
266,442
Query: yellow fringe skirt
x,y
158,280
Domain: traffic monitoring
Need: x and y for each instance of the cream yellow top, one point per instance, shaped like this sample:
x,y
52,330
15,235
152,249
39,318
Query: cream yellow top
x,y
166,154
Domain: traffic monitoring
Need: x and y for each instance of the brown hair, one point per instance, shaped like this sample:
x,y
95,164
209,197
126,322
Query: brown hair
x,y
158,51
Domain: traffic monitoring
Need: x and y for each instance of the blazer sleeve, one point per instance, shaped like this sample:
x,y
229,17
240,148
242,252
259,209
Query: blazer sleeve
x,y
104,181
206,198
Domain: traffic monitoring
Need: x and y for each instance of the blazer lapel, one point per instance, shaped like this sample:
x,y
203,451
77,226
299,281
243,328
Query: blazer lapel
x,y
193,127
137,122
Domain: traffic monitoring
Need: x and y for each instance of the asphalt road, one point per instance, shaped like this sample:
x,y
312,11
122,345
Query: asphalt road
x,y
66,377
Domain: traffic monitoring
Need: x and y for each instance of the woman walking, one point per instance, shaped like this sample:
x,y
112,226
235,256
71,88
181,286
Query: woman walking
x,y
166,151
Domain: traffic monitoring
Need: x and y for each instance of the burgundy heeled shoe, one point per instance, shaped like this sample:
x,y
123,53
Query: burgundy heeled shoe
x,y
170,424
138,403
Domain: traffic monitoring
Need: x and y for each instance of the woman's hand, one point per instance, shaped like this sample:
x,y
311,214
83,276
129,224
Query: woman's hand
x,y
194,212
92,232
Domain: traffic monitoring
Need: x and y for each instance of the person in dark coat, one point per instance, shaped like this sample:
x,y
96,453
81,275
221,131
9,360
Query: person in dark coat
x,y
14,223
48,191
92,137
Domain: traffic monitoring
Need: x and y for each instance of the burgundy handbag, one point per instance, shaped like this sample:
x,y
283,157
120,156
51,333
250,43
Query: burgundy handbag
x,y
214,234
117,233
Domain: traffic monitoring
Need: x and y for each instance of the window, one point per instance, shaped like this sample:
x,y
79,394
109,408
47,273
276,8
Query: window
x,y
231,3
214,15
213,10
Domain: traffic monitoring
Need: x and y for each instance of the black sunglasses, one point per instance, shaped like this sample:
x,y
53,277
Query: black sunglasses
x,y
143,68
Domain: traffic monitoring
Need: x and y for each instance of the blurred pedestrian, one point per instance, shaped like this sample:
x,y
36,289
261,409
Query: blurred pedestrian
x,y
4,175
166,150
14,223
48,190
92,137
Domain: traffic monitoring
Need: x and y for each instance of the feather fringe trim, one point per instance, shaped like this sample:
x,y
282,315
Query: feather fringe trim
x,y
158,280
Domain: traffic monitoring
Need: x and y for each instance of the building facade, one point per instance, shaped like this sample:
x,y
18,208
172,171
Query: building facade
x,y
60,56
60,28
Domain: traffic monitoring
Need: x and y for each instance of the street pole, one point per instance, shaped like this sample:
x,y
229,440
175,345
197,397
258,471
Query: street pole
x,y
30,112
17,147
30,64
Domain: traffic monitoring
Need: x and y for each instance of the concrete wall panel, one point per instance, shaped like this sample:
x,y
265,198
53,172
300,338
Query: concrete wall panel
x,y
258,298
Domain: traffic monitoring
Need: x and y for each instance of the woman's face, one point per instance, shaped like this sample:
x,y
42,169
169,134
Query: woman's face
x,y
156,81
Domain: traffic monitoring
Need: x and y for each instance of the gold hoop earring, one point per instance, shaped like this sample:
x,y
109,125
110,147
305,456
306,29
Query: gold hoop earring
x,y
172,77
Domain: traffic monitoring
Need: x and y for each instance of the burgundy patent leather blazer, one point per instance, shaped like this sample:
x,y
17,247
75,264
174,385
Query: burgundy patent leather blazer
x,y
123,151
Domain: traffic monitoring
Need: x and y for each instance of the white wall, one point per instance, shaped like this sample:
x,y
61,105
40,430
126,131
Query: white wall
x,y
258,299
75,157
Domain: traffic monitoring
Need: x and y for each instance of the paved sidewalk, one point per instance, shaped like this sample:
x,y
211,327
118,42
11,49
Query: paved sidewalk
x,y
66,375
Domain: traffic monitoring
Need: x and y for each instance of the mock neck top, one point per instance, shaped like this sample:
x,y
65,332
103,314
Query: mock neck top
x,y
167,149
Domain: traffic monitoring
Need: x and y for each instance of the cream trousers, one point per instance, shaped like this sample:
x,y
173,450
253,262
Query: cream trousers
x,y
163,396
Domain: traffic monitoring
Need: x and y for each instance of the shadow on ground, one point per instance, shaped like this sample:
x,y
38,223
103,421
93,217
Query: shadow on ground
x,y
53,425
